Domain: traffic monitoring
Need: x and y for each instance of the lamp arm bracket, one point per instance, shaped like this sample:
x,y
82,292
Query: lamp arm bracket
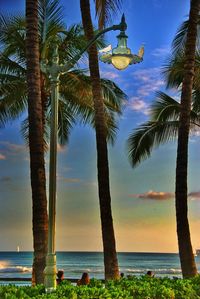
x,y
122,26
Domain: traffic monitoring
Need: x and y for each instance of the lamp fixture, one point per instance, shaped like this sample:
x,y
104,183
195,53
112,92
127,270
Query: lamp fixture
x,y
121,56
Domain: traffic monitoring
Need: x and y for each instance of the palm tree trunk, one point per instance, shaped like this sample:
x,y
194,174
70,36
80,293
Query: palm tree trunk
x,y
184,242
109,247
36,146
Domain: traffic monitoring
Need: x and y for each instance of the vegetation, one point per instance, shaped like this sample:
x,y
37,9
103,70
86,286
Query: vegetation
x,y
127,288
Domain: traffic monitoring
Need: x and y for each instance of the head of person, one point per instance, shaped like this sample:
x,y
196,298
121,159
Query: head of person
x,y
60,274
85,279
150,273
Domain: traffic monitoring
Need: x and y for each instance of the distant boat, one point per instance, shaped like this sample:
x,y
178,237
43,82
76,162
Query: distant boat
x,y
17,248
198,251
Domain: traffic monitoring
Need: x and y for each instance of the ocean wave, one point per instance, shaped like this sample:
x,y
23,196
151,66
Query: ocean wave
x,y
81,270
159,271
16,269
100,270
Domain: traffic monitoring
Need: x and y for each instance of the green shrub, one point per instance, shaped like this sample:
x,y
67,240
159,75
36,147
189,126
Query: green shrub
x,y
126,288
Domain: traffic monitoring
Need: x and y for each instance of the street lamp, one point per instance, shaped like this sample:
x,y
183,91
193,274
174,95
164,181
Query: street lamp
x,y
53,70
121,56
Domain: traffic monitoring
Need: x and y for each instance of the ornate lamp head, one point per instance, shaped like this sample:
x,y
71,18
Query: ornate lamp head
x,y
121,56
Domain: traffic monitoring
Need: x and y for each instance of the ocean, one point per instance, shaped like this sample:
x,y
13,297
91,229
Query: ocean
x,y
18,264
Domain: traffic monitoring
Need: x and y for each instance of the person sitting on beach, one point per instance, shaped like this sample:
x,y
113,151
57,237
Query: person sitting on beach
x,y
150,273
60,276
85,279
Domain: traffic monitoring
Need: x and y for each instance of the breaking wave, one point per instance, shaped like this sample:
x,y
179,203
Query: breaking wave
x,y
4,268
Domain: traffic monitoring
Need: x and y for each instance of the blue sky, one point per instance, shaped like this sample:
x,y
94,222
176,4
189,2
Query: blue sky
x,y
143,220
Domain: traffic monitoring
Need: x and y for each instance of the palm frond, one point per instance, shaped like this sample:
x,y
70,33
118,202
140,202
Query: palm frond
x,y
164,108
50,18
178,44
66,120
105,9
13,104
9,66
196,101
12,35
25,132
148,136
114,97
173,70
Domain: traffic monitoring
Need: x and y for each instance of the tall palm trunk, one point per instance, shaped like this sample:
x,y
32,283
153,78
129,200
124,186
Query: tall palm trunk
x,y
109,247
184,242
36,146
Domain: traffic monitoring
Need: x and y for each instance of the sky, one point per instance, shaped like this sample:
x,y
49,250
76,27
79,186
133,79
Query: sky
x,y
142,198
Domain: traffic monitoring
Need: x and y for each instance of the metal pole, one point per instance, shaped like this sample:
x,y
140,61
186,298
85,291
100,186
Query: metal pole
x,y
50,270
53,71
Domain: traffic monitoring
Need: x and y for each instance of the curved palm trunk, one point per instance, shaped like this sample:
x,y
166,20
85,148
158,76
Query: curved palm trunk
x,y
184,242
109,247
36,147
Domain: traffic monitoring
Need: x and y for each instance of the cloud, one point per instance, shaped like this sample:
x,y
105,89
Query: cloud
x,y
5,179
137,104
2,157
194,195
154,195
61,149
72,180
146,82
69,180
109,75
12,148
160,52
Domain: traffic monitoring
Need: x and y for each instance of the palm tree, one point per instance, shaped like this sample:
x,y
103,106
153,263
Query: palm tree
x,y
183,232
75,100
171,119
108,236
36,145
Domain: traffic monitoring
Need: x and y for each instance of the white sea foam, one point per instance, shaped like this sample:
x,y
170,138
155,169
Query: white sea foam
x,y
16,269
158,271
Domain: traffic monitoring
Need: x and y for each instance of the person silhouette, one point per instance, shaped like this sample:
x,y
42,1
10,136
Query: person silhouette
x,y
60,276
85,279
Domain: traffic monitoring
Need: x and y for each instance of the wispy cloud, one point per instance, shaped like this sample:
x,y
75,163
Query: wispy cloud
x,y
109,75
69,180
138,105
5,179
12,148
194,195
2,157
155,195
147,81
60,148
161,52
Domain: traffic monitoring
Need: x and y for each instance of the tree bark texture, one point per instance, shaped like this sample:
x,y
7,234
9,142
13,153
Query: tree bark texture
x,y
188,265
109,246
36,145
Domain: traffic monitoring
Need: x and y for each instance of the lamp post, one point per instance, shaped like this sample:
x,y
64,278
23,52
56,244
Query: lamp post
x,y
53,70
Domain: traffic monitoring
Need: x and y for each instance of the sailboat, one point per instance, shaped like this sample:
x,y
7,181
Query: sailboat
x,y
17,248
198,251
